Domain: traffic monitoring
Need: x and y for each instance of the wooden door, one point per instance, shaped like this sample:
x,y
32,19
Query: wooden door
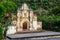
x,y
24,25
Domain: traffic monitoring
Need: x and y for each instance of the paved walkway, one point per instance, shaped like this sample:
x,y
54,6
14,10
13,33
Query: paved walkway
x,y
45,39
30,35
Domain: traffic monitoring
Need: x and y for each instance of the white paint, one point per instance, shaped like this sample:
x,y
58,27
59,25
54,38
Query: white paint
x,y
11,30
35,24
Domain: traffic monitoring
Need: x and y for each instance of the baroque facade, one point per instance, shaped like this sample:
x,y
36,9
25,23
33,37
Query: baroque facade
x,y
26,19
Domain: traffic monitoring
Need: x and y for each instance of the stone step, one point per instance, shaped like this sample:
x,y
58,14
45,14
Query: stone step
x,y
27,31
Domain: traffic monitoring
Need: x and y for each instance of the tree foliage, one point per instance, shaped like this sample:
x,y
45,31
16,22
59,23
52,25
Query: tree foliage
x,y
5,7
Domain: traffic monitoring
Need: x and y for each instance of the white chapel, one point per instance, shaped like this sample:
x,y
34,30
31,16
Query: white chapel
x,y
26,19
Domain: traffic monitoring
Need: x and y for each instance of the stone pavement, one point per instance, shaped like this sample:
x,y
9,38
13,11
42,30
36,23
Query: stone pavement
x,y
32,35
45,39
39,39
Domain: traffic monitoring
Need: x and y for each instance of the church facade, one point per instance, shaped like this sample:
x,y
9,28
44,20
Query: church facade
x,y
26,19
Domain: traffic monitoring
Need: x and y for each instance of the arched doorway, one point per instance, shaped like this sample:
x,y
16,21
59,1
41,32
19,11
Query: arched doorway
x,y
25,25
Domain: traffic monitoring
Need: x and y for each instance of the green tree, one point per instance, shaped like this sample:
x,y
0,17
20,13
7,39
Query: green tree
x,y
5,7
